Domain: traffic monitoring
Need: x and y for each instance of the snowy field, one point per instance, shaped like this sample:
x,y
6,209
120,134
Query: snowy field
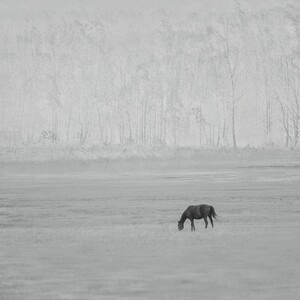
x,y
95,235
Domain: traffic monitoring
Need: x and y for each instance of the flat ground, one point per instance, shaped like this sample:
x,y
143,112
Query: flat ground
x,y
96,235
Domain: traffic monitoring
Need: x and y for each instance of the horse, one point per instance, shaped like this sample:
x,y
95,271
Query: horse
x,y
197,212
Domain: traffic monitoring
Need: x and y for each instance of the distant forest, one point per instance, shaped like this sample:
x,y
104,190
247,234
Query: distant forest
x,y
83,77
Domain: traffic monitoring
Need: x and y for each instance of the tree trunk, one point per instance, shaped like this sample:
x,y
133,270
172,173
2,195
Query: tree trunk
x,y
233,128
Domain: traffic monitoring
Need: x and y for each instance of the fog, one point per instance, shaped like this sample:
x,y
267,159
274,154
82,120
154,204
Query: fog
x,y
196,74
116,116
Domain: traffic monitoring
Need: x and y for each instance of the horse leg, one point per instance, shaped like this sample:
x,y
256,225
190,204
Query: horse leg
x,y
205,220
192,225
211,221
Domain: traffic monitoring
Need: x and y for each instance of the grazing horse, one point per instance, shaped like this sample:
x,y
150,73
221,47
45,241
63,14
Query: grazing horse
x,y
197,212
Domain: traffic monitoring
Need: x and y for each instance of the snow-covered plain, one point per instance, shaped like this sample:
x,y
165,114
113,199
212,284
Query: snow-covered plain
x,y
94,235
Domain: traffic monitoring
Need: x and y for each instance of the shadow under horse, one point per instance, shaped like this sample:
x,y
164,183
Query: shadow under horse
x,y
197,212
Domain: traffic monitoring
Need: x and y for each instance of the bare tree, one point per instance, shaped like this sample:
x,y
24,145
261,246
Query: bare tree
x,y
289,103
231,60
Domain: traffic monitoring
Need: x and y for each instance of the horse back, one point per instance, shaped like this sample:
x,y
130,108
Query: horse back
x,y
198,211
205,210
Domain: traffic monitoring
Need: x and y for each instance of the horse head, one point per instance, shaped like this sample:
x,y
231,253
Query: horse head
x,y
180,225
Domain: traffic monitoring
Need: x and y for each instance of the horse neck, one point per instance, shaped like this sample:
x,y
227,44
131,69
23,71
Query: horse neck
x,y
183,218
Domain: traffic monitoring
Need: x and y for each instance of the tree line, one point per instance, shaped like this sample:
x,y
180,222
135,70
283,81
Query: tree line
x,y
126,77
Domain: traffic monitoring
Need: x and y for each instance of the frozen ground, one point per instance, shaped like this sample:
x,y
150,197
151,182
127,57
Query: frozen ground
x,y
91,235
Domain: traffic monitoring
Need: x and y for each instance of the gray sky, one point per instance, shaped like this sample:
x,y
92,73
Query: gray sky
x,y
210,5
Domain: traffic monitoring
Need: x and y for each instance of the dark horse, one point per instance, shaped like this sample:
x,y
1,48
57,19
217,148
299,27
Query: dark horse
x,y
197,212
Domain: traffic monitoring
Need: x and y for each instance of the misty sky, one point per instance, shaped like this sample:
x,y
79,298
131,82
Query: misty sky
x,y
212,5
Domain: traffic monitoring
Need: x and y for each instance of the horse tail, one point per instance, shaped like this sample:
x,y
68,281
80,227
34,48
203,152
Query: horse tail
x,y
213,213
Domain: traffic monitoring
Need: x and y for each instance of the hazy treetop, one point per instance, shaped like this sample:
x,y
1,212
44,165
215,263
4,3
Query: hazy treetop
x,y
141,5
